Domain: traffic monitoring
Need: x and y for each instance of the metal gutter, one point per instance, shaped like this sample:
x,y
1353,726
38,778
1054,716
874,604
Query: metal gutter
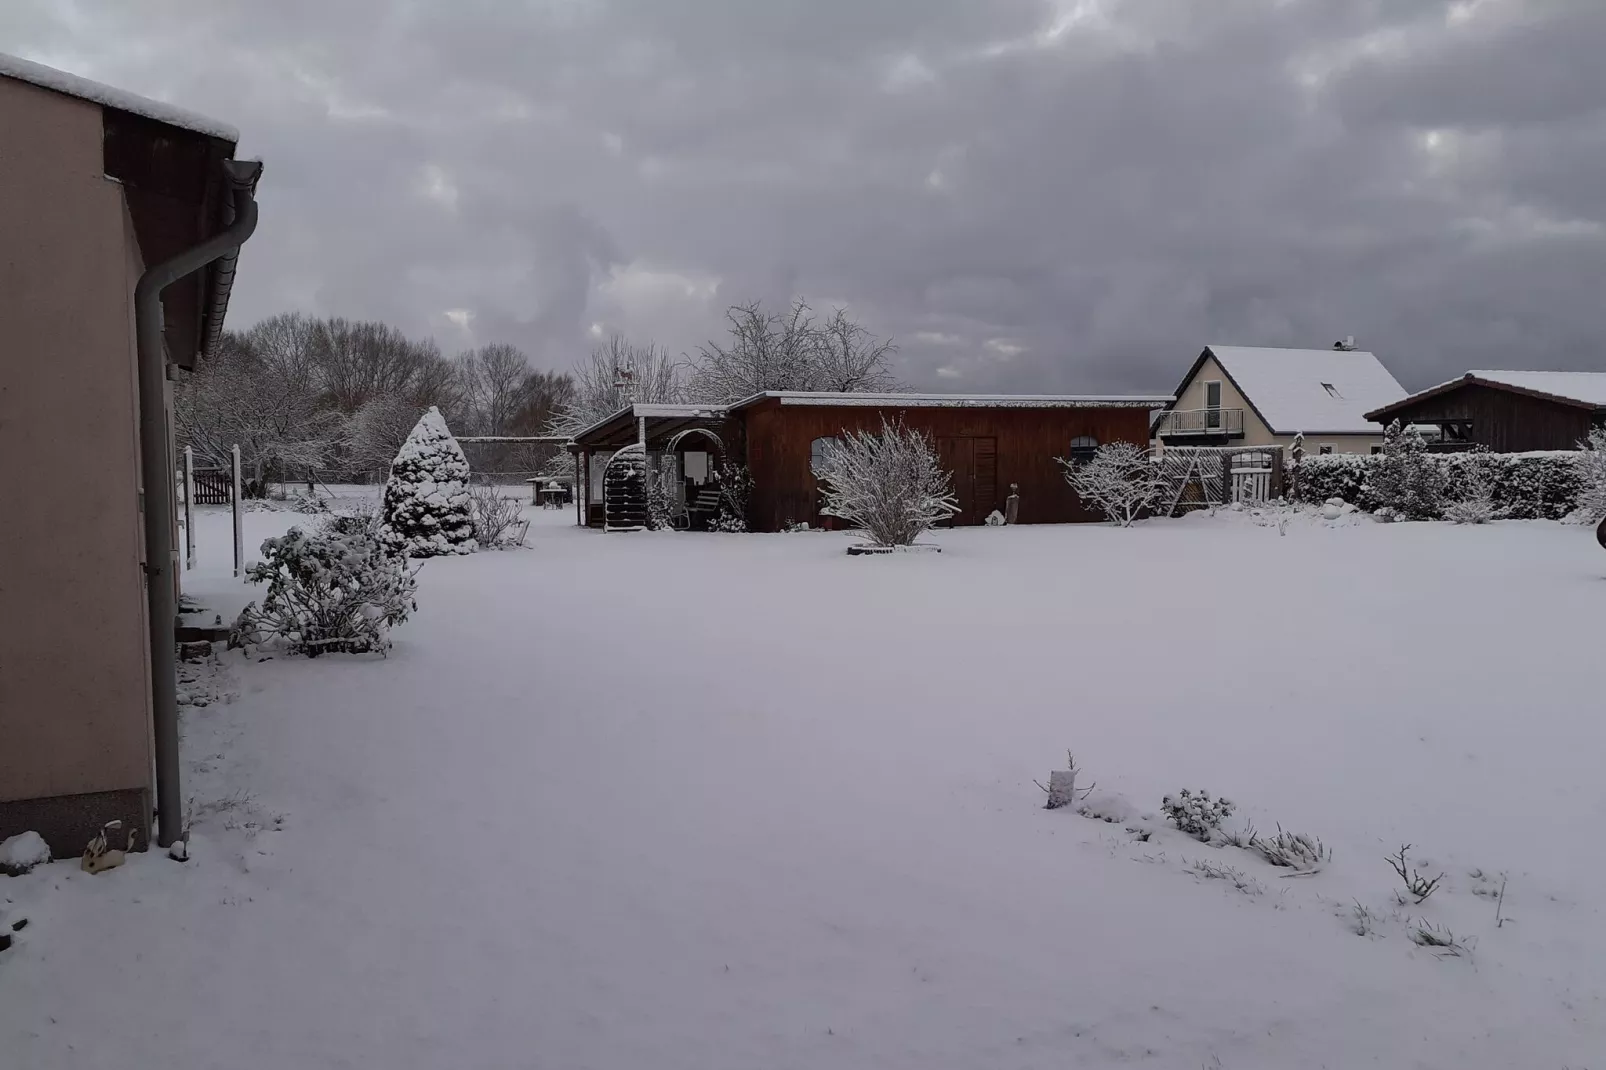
x,y
161,556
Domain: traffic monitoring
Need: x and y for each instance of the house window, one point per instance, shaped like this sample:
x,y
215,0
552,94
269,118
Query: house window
x,y
1083,448
1213,403
1325,448
1332,391
818,449
1376,450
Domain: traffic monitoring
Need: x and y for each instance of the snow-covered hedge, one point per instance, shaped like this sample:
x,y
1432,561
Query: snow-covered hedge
x,y
1526,486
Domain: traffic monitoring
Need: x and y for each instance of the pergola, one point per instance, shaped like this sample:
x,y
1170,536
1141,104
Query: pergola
x,y
656,428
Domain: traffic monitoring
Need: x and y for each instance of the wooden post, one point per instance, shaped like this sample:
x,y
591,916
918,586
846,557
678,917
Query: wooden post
x,y
239,533
579,492
189,508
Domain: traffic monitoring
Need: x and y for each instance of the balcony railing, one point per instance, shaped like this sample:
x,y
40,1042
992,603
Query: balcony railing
x,y
1227,423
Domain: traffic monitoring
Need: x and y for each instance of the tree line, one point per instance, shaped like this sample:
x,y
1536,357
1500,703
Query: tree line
x,y
307,397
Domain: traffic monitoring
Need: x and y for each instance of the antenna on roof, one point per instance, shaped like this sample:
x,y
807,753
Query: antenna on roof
x,y
1347,344
624,378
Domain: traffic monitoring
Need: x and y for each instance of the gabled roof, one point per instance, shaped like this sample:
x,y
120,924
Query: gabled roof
x,y
1317,391
72,85
1585,390
957,401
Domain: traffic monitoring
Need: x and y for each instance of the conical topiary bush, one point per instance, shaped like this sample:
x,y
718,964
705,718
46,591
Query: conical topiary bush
x,y
427,506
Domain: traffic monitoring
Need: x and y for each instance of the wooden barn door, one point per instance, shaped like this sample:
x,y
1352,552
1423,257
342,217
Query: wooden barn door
x,y
972,464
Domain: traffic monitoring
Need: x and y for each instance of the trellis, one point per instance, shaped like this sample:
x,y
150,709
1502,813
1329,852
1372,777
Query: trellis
x,y
1197,477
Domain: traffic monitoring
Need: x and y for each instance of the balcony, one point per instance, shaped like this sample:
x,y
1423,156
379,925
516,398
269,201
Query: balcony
x,y
1201,423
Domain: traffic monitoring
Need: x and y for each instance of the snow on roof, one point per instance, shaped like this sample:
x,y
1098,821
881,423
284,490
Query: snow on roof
x,y
107,96
1317,391
1587,387
963,401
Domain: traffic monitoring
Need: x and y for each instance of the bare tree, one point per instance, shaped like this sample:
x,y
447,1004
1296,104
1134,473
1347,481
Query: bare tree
x,y
764,351
494,379
258,391
599,387
849,358
889,484
1120,481
376,431
359,360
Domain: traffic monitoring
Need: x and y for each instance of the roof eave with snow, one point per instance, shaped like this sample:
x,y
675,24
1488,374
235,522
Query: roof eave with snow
x,y
956,401
24,70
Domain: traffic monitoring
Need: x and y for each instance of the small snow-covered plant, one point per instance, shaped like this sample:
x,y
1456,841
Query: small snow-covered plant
x,y
1218,871
735,488
427,507
341,588
1120,481
1416,885
1196,813
1439,939
497,519
1296,458
1362,922
1592,477
1296,851
889,484
661,495
1243,838
1476,488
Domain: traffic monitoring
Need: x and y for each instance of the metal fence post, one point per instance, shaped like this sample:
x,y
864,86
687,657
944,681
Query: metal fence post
x,y
189,508
239,534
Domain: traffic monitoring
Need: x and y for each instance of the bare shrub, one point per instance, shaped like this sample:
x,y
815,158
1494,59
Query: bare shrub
x,y
1417,886
498,521
1440,940
1218,871
889,483
1120,481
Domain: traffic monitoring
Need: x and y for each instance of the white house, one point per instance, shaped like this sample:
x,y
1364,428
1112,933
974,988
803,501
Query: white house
x,y
1238,395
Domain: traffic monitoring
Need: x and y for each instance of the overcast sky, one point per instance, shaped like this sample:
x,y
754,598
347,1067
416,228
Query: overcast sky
x,y
1030,195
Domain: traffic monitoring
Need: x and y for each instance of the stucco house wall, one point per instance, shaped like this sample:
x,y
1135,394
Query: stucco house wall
x,y
74,687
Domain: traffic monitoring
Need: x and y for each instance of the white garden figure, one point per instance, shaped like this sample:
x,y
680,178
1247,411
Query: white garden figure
x,y
428,511
889,484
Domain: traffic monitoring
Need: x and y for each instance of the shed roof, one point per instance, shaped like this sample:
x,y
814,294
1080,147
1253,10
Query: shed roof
x,y
72,85
1317,391
1585,390
957,401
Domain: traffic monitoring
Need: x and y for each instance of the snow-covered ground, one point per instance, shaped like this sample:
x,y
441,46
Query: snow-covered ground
x,y
703,801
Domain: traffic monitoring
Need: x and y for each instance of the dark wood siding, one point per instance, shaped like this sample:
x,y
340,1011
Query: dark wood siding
x,y
1505,421
997,447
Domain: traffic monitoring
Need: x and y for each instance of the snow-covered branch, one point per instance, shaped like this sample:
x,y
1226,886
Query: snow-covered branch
x,y
887,483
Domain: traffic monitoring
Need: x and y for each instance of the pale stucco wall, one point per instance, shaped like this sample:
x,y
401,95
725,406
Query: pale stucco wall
x,y
1256,433
74,691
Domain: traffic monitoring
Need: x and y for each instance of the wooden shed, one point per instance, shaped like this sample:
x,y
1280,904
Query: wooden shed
x,y
1507,411
987,442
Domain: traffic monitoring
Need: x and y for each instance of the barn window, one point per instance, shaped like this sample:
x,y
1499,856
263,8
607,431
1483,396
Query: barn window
x,y
818,450
1083,447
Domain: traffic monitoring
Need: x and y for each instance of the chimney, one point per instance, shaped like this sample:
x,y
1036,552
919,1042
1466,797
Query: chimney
x,y
1347,344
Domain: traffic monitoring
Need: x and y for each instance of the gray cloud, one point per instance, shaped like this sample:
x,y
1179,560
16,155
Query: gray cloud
x,y
1031,195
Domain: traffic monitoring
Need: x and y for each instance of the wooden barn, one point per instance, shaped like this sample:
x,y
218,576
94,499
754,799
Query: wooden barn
x,y
1507,411
987,442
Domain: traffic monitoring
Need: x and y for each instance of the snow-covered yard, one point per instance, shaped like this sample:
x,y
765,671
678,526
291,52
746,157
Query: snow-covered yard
x,y
686,801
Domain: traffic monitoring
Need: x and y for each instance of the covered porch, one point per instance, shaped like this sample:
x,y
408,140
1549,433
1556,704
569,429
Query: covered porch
x,y
673,452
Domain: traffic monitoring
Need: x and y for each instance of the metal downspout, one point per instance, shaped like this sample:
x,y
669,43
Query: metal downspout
x,y
161,556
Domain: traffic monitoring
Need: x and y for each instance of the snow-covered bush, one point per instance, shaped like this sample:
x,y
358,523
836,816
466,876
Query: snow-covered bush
x,y
1196,813
427,506
341,588
1472,488
1296,851
1120,481
889,484
1405,478
1592,478
735,489
498,521
22,852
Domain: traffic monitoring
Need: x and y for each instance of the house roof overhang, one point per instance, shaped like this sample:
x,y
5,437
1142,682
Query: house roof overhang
x,y
622,429
170,163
